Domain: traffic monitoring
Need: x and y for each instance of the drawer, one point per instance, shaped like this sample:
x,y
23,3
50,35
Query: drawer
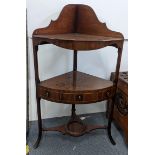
x,y
74,97
79,97
106,94
48,94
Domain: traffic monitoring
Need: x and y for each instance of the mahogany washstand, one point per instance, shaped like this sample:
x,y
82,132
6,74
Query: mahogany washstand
x,y
78,29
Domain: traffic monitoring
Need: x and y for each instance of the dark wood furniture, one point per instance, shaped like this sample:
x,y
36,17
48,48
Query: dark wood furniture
x,y
78,29
120,114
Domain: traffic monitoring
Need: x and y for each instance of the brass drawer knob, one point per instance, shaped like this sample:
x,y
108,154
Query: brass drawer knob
x,y
108,94
47,94
79,97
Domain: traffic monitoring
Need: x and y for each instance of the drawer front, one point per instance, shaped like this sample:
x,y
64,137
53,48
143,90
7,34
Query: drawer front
x,y
74,98
79,97
48,94
106,94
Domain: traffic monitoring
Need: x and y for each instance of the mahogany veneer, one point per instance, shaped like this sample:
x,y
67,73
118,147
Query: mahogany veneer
x,y
78,29
76,41
75,87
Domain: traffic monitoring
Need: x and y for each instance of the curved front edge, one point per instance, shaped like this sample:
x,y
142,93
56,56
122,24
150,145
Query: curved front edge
x,y
78,45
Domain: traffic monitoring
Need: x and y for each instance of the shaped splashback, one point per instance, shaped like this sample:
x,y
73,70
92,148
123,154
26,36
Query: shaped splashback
x,y
77,18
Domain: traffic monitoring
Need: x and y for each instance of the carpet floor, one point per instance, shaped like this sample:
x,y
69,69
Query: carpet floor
x,y
93,143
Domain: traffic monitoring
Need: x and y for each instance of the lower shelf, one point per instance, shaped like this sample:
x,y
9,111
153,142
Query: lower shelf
x,y
75,88
75,127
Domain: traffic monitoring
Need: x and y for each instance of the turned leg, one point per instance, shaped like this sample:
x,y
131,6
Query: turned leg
x,y
39,124
110,121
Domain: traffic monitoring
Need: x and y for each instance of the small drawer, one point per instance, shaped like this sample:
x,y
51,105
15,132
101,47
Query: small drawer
x,y
106,94
79,98
48,94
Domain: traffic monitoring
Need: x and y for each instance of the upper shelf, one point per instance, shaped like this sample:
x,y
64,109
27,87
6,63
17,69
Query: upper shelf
x,y
78,37
78,28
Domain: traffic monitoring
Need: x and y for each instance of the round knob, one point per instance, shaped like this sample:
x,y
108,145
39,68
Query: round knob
x,y
79,97
108,94
47,94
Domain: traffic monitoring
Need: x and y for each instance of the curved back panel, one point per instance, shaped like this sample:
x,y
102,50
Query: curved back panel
x,y
77,18
64,23
88,23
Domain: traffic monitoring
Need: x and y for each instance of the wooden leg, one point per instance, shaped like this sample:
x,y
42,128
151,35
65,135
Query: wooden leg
x,y
39,124
110,121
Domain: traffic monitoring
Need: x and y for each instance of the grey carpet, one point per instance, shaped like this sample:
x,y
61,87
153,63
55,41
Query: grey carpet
x,y
93,143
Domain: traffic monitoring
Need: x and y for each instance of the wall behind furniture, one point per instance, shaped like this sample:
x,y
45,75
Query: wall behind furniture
x,y
55,61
